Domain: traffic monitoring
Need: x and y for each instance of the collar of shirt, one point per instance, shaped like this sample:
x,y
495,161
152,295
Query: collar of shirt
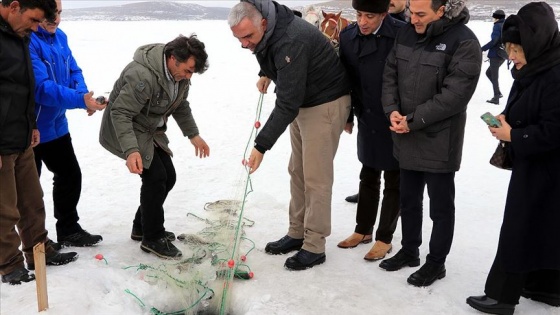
x,y
166,70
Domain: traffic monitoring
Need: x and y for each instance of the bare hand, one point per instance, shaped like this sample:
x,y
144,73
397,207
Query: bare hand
x,y
349,127
398,123
92,104
35,138
134,163
502,133
201,149
255,160
90,112
262,84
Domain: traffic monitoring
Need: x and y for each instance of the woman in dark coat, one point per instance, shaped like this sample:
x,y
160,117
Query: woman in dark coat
x,y
527,262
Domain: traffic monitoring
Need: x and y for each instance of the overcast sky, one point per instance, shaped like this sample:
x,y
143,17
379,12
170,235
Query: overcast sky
x,y
74,4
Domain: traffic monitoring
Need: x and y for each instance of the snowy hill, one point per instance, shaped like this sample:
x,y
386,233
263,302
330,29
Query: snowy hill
x,y
168,10
156,10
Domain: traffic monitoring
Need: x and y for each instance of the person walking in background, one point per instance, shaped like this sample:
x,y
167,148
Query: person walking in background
x,y
21,196
429,79
496,55
527,261
364,47
59,85
312,97
151,88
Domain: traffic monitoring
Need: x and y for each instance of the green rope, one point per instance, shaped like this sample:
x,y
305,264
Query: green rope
x,y
248,189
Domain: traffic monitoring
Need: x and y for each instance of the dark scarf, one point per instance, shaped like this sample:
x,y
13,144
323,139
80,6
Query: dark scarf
x,y
544,62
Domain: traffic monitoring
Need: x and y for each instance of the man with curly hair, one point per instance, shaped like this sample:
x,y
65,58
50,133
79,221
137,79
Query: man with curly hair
x,y
152,87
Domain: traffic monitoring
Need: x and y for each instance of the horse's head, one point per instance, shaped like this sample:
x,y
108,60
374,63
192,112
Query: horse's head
x,y
332,24
312,16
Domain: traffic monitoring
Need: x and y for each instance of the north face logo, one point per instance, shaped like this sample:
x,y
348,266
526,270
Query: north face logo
x,y
441,47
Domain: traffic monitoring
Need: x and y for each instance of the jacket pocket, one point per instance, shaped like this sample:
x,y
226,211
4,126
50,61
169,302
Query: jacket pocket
x,y
432,143
433,71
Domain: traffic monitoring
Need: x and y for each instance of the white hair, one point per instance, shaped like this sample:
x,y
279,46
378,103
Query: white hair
x,y
244,10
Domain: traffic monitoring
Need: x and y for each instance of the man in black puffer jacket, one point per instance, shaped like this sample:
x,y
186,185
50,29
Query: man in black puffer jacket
x,y
312,97
429,79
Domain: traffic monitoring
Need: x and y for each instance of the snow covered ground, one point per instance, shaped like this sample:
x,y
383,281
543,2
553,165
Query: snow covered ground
x,y
224,100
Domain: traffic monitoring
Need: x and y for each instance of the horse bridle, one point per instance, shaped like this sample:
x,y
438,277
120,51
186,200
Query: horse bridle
x,y
336,33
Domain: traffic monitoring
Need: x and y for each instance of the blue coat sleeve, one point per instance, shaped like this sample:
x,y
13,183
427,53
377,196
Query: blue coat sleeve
x,y
48,92
494,38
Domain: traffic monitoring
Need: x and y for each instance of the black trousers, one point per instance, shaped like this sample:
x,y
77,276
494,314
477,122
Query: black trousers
x,y
59,158
157,182
368,203
441,190
493,73
506,287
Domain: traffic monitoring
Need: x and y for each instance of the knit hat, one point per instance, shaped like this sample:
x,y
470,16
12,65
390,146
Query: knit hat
x,y
371,6
511,34
499,14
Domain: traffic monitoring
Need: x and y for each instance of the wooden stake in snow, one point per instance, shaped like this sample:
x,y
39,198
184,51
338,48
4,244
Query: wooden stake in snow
x,y
41,276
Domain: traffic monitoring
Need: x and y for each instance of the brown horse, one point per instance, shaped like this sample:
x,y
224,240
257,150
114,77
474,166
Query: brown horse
x,y
332,25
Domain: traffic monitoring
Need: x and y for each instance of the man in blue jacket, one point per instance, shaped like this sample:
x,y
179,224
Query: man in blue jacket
x,y
496,55
60,86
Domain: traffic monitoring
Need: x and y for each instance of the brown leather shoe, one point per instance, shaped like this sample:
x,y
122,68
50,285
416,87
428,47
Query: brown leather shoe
x,y
378,251
354,240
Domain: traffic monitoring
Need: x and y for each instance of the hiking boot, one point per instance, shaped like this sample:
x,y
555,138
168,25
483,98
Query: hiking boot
x,y
354,240
352,199
54,258
494,100
80,239
161,247
427,274
137,234
400,260
304,260
18,276
378,251
55,246
544,297
284,245
490,306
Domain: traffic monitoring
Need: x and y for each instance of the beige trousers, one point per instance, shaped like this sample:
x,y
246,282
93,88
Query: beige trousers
x,y
314,135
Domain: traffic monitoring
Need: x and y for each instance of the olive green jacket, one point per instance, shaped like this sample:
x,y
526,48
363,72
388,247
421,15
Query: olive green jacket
x,y
139,103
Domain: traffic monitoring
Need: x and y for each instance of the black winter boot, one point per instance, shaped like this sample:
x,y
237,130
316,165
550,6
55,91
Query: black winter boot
x,y
18,276
494,100
284,245
304,259
162,248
